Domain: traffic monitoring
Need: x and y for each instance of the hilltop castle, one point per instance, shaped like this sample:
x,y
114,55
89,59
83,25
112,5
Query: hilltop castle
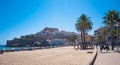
x,y
47,33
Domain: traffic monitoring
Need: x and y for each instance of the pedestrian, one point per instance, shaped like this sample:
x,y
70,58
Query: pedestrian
x,y
107,47
101,46
1,51
96,45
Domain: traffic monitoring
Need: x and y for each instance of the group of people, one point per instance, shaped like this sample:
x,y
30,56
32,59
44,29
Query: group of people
x,y
103,46
1,51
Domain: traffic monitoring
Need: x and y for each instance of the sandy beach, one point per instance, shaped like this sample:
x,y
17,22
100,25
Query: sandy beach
x,y
52,56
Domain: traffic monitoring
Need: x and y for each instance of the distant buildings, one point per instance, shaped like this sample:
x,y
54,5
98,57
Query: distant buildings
x,y
107,37
53,34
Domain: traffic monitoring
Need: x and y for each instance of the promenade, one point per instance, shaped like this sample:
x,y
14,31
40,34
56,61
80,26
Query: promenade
x,y
52,56
107,58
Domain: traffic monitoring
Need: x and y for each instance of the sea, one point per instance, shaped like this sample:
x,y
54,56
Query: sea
x,y
3,47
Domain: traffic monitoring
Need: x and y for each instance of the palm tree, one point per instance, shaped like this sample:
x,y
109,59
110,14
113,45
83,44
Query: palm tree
x,y
102,34
119,32
110,19
83,25
78,26
72,39
118,29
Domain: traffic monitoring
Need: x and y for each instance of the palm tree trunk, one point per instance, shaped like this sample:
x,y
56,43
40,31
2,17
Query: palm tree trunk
x,y
74,43
111,35
81,38
84,39
118,35
112,47
112,41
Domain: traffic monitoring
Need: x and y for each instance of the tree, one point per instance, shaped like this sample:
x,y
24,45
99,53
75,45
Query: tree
x,y
72,39
110,19
118,33
118,28
23,37
15,38
28,36
83,25
102,34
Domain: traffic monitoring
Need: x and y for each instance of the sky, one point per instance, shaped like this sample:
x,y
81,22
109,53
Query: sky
x,y
22,17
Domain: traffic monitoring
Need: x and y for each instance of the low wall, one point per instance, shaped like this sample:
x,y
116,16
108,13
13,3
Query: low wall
x,y
93,58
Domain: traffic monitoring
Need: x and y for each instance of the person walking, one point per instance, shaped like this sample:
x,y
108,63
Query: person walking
x,y
1,51
107,47
96,45
101,46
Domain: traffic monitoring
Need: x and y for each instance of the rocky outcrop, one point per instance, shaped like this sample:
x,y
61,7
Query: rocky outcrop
x,y
46,33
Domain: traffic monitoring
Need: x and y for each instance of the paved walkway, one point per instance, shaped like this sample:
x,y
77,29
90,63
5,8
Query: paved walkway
x,y
107,58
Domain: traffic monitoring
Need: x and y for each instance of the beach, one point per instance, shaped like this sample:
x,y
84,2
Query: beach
x,y
52,56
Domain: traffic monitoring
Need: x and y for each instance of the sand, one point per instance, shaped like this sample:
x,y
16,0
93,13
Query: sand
x,y
52,56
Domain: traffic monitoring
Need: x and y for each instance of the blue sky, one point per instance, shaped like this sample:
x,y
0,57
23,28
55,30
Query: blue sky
x,y
21,17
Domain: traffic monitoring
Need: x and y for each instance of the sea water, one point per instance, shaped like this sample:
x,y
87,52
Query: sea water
x,y
3,47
